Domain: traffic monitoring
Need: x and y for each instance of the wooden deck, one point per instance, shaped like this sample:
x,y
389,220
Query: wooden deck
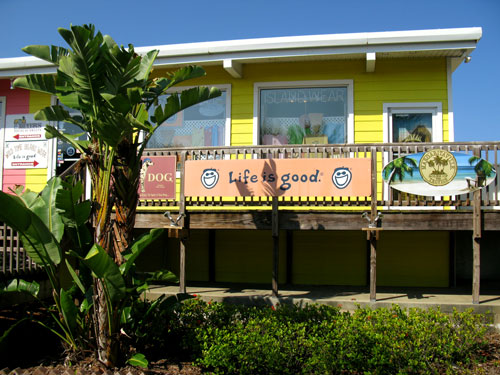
x,y
476,212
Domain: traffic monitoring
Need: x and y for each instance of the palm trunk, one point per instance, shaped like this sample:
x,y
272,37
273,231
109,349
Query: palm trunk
x,y
104,320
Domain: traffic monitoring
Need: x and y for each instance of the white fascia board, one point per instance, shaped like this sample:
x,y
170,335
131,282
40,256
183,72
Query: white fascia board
x,y
422,36
260,56
21,66
318,41
281,47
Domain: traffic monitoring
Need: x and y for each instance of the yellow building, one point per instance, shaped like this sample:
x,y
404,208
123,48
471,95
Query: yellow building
x,y
345,92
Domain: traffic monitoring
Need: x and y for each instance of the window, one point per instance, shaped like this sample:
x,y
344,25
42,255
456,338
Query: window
x,y
304,112
413,122
66,153
204,124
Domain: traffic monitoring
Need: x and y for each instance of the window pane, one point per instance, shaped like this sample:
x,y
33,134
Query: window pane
x,y
303,115
67,154
415,127
200,125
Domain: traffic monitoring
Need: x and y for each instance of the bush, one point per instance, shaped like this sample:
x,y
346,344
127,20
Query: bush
x,y
321,339
316,339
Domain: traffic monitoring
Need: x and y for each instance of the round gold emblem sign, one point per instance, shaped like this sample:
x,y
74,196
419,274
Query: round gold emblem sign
x,y
438,167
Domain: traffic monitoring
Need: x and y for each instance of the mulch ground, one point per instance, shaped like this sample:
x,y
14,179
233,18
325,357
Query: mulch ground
x,y
34,351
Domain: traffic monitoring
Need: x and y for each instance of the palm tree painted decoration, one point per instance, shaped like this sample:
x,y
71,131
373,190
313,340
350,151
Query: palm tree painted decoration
x,y
483,170
398,168
111,88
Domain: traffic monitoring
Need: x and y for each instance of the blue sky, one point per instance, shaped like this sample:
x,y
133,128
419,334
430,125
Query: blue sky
x,y
475,85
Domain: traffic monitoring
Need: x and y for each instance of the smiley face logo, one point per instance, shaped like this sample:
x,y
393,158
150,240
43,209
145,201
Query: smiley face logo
x,y
209,178
341,177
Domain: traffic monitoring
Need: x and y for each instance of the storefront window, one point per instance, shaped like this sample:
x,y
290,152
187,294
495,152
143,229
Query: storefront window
x,y
312,115
413,122
201,125
412,127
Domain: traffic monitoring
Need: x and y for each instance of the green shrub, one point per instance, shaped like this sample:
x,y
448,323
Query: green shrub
x,y
315,339
321,339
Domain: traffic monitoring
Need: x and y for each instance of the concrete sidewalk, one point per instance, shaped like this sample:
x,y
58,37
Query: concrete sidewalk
x,y
348,298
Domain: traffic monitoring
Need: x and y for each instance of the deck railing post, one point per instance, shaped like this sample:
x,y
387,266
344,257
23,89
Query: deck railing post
x,y
373,234
476,241
184,222
276,245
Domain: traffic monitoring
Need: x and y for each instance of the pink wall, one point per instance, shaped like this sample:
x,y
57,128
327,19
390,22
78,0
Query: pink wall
x,y
17,102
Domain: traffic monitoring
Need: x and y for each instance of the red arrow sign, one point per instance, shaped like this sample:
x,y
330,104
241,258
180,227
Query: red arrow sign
x,y
25,163
27,136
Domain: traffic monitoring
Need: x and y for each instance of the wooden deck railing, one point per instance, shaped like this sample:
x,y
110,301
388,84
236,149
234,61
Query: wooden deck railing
x,y
13,259
384,153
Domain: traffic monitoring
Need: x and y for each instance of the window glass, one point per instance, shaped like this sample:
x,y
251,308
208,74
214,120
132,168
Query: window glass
x,y
303,115
66,153
200,125
415,127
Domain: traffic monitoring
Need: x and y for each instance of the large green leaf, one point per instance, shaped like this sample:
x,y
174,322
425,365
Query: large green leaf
x,y
37,239
19,285
103,267
51,132
69,311
49,212
74,275
181,75
176,103
37,82
47,53
74,213
138,247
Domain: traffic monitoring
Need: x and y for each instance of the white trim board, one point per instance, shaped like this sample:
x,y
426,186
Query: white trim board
x,y
449,89
437,118
3,107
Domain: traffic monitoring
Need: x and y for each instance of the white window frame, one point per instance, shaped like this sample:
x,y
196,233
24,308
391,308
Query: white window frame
x,y
227,124
349,83
3,107
436,108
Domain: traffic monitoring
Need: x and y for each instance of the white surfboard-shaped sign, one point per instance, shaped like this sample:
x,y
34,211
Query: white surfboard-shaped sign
x,y
438,172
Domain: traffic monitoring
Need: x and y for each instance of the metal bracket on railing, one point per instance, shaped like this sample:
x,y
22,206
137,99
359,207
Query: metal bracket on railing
x,y
372,225
174,229
174,223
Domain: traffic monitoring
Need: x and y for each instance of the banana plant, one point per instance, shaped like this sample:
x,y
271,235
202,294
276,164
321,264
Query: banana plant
x,y
112,88
40,219
54,232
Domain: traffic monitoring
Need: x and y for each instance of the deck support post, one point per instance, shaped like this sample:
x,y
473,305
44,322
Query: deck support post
x,y
276,246
373,266
373,235
184,223
476,242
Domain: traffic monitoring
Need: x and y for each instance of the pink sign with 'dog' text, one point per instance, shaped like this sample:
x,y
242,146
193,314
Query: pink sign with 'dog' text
x,y
157,177
278,177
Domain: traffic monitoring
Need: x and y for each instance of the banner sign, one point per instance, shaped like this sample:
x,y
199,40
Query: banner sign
x,y
438,172
278,177
24,155
157,177
24,127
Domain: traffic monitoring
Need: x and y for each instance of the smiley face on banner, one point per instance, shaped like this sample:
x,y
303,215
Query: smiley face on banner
x,y
209,178
341,177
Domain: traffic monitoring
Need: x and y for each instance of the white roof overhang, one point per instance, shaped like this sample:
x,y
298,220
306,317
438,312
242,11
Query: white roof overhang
x,y
456,44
